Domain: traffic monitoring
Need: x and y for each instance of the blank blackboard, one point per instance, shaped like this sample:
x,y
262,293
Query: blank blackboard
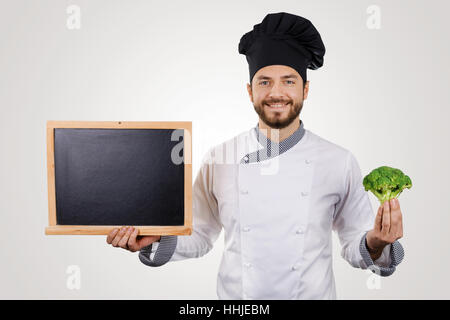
x,y
110,174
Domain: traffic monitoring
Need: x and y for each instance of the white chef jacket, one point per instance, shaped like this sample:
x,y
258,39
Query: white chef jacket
x,y
278,215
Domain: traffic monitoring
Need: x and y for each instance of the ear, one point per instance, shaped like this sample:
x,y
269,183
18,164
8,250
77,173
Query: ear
x,y
250,93
305,90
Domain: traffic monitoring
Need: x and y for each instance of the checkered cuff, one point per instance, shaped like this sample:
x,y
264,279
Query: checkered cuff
x,y
396,254
163,253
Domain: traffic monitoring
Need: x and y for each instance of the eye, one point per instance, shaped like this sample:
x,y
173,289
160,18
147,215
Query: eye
x,y
262,83
290,82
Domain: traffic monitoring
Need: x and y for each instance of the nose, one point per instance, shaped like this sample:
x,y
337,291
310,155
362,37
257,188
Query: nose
x,y
276,91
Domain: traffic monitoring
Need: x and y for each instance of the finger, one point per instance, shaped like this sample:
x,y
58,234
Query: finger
x,y
396,219
378,219
396,213
386,220
111,235
132,239
400,231
123,242
119,236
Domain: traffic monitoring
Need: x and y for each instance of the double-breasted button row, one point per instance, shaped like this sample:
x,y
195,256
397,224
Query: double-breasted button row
x,y
303,193
294,267
298,231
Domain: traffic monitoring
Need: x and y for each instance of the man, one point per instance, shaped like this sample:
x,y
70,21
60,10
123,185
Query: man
x,y
284,191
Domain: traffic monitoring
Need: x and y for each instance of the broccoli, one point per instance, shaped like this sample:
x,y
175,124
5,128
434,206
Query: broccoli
x,y
386,183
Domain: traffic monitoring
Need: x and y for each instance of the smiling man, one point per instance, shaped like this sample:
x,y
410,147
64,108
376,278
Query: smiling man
x,y
278,223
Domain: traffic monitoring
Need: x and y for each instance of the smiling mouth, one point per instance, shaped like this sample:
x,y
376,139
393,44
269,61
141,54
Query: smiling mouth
x,y
277,106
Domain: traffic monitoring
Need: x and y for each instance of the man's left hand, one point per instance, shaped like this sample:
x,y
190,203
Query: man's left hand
x,y
388,228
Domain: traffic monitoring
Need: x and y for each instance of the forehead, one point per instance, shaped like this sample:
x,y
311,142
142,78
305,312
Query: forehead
x,y
276,71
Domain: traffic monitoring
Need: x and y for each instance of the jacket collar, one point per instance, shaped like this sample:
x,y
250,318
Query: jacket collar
x,y
271,148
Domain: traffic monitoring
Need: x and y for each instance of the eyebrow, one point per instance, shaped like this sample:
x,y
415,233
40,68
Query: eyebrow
x,y
283,77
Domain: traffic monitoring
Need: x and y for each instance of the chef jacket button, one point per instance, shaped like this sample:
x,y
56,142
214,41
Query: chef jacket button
x,y
248,264
304,193
299,231
307,161
246,158
246,229
244,191
295,267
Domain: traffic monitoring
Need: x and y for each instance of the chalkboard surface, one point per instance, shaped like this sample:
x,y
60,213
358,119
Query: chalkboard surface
x,y
118,177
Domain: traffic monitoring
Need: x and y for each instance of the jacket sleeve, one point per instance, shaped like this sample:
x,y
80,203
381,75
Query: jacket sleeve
x,y
353,218
158,253
205,221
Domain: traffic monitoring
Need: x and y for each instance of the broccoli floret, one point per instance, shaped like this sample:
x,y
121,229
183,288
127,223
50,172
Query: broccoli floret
x,y
386,183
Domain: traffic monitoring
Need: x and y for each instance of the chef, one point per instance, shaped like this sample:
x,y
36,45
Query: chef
x,y
278,190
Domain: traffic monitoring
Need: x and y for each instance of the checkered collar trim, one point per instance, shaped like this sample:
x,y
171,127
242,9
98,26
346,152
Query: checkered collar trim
x,y
272,149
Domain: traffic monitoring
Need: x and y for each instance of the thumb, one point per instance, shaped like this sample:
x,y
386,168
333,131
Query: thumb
x,y
144,241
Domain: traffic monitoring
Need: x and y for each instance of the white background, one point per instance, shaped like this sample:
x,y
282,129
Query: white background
x,y
383,94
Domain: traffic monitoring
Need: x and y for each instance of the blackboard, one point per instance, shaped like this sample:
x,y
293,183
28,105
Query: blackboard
x,y
104,175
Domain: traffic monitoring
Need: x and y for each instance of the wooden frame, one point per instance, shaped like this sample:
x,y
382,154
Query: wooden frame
x,y
55,229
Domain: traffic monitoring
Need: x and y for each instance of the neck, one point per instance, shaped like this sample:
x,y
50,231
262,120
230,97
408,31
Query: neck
x,y
282,133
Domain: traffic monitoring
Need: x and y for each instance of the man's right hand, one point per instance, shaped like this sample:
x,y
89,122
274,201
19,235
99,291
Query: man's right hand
x,y
128,239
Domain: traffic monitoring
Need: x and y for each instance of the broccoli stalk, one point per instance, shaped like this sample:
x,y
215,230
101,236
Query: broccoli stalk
x,y
386,183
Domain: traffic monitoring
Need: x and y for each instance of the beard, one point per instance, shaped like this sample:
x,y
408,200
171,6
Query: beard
x,y
276,121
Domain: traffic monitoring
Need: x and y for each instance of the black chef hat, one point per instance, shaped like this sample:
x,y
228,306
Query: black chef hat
x,y
286,39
